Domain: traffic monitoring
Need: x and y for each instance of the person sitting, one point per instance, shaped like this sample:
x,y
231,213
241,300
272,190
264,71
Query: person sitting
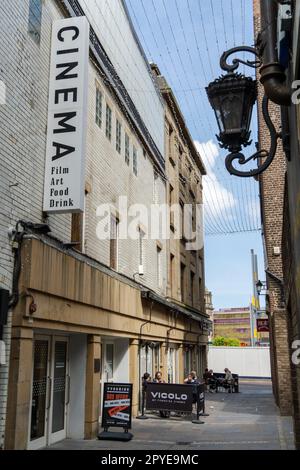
x,y
206,375
189,379
159,380
193,380
228,380
211,382
145,380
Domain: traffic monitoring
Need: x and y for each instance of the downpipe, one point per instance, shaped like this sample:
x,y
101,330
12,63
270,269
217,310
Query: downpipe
x,y
272,73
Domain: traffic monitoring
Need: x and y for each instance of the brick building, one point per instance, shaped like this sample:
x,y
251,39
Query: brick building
x,y
272,182
86,310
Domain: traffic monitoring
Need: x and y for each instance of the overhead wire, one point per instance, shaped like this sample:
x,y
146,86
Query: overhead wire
x,y
244,185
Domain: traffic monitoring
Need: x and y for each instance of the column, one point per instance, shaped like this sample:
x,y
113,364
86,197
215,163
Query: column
x,y
134,374
19,389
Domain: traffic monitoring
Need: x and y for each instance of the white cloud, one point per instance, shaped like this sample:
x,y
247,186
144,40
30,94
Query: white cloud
x,y
217,199
209,152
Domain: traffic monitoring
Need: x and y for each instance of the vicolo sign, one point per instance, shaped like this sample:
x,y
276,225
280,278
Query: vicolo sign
x,y
67,117
169,396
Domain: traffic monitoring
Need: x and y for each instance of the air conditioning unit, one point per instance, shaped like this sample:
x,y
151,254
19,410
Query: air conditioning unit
x,y
141,270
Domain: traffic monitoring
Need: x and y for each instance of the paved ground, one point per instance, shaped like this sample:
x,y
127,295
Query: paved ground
x,y
248,420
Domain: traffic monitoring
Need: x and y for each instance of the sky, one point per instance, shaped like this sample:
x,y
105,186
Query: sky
x,y
186,38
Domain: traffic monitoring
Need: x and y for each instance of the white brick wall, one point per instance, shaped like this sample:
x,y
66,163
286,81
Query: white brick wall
x,y
24,67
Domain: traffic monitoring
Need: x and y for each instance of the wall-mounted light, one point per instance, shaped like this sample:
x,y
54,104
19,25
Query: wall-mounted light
x,y
232,97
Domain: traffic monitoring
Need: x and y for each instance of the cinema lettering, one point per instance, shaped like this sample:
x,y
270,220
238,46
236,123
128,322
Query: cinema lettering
x,y
67,117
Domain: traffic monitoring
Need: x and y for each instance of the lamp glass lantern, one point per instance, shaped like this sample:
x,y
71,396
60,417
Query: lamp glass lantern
x,y
232,98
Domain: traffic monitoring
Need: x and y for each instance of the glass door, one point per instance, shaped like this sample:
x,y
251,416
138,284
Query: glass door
x,y
60,396
40,393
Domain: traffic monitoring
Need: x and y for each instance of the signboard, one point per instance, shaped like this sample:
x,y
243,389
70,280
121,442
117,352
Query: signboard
x,y
170,397
117,405
67,116
262,325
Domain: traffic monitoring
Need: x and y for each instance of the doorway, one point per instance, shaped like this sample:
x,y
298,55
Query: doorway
x,y
50,392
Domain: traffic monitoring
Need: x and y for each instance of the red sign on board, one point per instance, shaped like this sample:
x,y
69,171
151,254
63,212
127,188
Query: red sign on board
x,y
262,325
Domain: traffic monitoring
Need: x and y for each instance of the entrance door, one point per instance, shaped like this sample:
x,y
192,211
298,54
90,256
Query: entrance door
x,y
40,395
50,391
60,395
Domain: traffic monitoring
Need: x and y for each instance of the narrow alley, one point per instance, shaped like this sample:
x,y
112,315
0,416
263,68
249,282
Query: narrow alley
x,y
248,420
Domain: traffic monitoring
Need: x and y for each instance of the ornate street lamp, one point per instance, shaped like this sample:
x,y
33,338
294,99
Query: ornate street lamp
x,y
232,97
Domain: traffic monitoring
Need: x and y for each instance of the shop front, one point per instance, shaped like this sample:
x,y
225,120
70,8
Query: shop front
x,y
84,331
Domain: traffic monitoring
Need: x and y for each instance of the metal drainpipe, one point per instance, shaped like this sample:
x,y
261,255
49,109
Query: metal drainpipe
x,y
272,77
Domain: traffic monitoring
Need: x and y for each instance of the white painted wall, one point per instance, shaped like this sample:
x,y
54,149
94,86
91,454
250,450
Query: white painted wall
x,y
247,362
77,358
121,361
112,26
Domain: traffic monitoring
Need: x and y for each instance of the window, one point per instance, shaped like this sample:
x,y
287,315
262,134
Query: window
x,y
156,361
155,188
171,273
134,161
114,234
181,203
192,287
98,107
127,149
78,228
118,136
201,294
108,122
187,361
171,201
171,146
158,266
182,281
35,20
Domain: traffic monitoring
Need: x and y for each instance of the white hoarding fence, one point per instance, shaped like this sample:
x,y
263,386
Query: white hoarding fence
x,y
244,361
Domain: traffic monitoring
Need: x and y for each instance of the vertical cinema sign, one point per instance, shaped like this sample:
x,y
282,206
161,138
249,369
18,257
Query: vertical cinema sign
x,y
67,116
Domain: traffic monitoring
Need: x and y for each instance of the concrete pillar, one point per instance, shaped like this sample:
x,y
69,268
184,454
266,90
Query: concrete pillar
x,y
92,389
19,389
180,364
134,374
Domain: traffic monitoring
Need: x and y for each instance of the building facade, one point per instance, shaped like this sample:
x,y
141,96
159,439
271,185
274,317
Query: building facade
x,y
210,311
85,309
233,323
184,173
272,212
278,23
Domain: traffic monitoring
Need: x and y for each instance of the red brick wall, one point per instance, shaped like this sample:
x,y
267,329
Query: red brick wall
x,y
272,183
